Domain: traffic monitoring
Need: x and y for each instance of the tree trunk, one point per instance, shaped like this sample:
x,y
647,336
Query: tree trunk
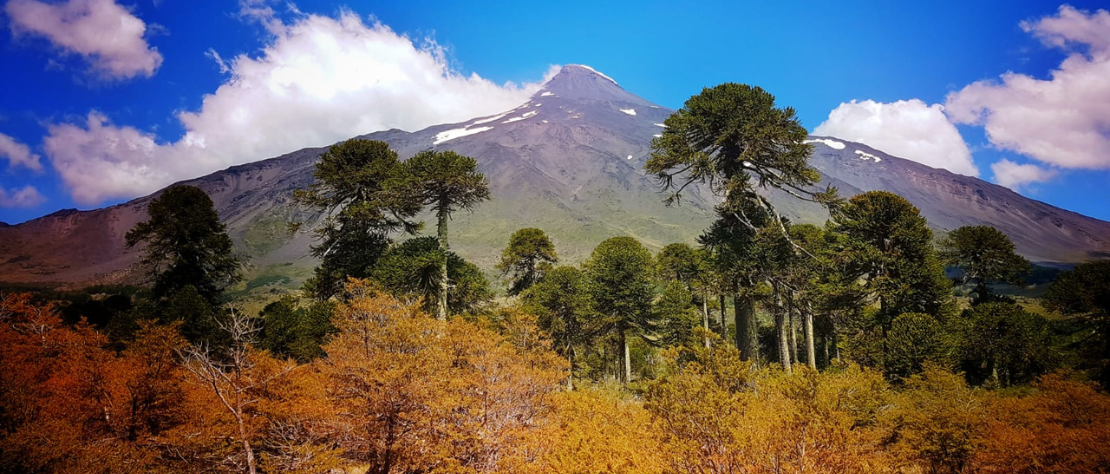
x,y
237,413
741,315
747,337
993,370
826,342
251,464
721,316
784,342
570,371
705,316
784,338
441,227
791,310
626,373
981,294
811,349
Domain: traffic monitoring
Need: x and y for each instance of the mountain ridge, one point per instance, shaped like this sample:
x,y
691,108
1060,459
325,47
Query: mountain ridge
x,y
570,161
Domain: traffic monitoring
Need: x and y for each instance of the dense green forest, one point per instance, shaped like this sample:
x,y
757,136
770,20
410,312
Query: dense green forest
x,y
767,347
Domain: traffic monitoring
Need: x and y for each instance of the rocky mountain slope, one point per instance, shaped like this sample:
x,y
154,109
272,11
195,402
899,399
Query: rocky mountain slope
x,y
1042,232
569,161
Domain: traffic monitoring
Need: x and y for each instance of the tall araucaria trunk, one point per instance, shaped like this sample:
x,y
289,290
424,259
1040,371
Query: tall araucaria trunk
x,y
740,317
791,311
747,341
721,316
705,316
783,337
826,341
626,360
441,227
811,349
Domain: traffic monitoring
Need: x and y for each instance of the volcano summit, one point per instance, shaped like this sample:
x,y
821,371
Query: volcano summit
x,y
569,161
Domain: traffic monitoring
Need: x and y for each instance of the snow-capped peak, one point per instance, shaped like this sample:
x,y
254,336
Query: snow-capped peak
x,y
595,71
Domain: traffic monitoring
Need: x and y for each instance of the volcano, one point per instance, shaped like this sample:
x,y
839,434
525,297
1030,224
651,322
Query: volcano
x,y
569,161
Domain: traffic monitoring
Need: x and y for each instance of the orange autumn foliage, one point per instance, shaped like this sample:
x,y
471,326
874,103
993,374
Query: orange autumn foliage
x,y
400,392
1062,427
935,422
415,394
297,437
69,405
597,430
717,414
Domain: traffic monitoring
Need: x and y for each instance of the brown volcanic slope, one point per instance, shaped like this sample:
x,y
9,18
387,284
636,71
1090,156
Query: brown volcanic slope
x,y
569,161
1042,232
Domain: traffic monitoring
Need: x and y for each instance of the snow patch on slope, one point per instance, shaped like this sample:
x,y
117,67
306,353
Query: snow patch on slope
x,y
522,117
546,93
631,112
457,133
863,155
829,143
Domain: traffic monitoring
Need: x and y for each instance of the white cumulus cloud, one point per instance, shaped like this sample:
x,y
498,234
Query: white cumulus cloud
x,y
98,160
908,129
1015,176
26,196
1062,121
18,154
320,80
106,34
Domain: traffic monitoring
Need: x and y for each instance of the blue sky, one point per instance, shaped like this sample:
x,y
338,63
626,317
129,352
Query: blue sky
x,y
106,100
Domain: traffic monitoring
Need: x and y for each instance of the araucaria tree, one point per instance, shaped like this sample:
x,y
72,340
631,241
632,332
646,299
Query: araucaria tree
x,y
620,274
186,245
891,247
354,188
564,308
733,247
447,182
412,268
889,251
811,283
1083,293
733,138
189,260
529,256
1005,343
984,254
691,267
